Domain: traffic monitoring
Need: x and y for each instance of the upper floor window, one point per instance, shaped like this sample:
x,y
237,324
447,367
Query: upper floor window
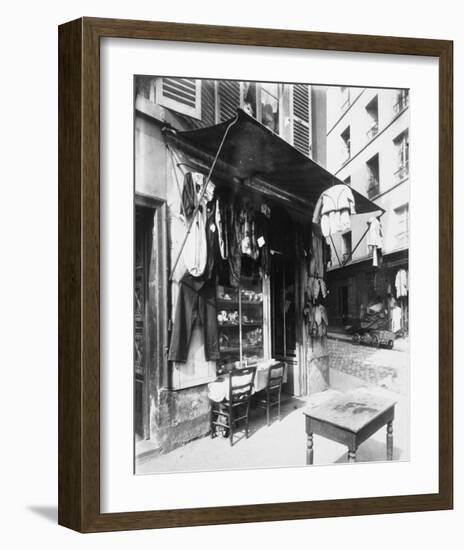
x,y
269,105
402,101
346,138
402,225
373,184
301,111
346,245
345,98
179,94
372,111
401,143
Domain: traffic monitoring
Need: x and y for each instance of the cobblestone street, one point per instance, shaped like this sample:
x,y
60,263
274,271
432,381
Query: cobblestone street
x,y
382,367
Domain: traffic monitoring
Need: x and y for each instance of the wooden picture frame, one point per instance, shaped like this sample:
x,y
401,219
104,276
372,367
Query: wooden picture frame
x,y
79,274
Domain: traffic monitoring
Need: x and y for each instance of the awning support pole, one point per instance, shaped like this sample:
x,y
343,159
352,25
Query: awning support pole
x,y
177,181
203,190
335,248
358,243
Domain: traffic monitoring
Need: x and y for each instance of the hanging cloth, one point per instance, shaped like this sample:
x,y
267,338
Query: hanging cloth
x,y
374,239
195,251
396,315
401,283
334,208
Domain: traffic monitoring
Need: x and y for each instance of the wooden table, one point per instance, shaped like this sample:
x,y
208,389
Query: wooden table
x,y
350,418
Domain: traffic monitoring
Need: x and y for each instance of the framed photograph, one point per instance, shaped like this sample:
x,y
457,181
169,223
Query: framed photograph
x,y
255,274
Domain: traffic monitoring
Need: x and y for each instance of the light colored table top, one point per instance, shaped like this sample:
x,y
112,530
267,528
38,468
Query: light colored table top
x,y
219,389
351,410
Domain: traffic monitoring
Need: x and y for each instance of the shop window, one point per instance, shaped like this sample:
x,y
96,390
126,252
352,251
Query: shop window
x,y
372,111
346,139
269,105
240,323
401,143
182,95
346,245
373,184
301,111
402,101
402,225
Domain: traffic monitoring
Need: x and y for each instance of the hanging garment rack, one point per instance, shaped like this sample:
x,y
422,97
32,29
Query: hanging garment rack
x,y
202,193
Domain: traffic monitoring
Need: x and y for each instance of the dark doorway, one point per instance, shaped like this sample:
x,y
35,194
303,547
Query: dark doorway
x,y
143,232
343,303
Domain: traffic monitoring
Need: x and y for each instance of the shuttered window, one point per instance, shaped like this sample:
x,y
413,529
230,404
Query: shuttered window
x,y
301,118
180,94
229,99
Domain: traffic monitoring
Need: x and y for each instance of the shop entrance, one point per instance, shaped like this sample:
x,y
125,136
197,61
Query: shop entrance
x,y
343,303
283,307
143,226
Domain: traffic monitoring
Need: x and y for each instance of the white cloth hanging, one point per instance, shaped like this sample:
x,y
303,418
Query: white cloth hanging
x,y
374,239
396,315
401,283
195,251
334,208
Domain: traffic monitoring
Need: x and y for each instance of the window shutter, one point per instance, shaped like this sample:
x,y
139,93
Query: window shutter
x,y
301,118
229,98
180,94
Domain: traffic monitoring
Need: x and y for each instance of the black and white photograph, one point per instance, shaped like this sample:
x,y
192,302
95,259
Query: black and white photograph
x,y
271,294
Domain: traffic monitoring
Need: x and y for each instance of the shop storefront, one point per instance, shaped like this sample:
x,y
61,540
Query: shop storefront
x,y
359,286
229,268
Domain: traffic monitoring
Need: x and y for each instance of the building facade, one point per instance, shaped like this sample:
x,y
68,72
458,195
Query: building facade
x,y
171,399
368,149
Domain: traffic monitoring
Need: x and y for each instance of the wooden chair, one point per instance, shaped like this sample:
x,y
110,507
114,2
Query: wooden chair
x,y
236,406
270,396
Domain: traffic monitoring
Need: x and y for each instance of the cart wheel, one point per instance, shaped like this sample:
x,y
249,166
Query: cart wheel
x,y
390,344
355,339
375,341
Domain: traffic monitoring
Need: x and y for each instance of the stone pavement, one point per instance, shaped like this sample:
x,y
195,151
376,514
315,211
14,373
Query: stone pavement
x,y
378,366
283,444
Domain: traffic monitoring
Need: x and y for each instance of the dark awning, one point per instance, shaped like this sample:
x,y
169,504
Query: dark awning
x,y
252,150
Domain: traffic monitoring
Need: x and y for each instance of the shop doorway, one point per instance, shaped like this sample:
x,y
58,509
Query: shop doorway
x,y
343,303
150,310
143,227
284,320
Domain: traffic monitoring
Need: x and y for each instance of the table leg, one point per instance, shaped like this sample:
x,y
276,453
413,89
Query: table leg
x,y
309,449
351,455
390,441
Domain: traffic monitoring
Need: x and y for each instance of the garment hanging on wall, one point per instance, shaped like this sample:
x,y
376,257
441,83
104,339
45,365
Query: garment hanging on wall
x,y
374,239
401,283
316,320
249,245
222,234
196,302
396,315
316,288
212,241
333,209
318,253
235,243
195,250
262,239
